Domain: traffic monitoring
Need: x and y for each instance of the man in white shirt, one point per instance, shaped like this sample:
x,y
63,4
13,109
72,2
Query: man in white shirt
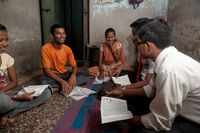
x,y
145,78
175,107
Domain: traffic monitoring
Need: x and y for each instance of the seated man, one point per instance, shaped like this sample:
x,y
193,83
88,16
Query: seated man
x,y
144,77
54,56
11,105
175,107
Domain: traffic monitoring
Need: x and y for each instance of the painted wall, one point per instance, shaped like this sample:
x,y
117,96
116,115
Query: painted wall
x,y
184,17
120,15
22,19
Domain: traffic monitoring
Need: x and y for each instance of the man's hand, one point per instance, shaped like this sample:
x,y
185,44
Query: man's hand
x,y
117,93
66,88
101,75
117,71
136,120
72,81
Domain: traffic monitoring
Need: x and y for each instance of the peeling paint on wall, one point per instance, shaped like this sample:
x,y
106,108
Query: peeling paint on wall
x,y
107,8
158,5
184,19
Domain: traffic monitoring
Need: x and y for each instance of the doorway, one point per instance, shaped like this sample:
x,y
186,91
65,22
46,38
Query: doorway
x,y
70,14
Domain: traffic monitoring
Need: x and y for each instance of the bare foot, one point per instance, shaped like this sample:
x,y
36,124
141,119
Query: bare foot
x,y
26,97
5,121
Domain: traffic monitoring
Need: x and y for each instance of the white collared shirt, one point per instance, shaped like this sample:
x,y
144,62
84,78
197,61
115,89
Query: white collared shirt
x,y
148,67
177,90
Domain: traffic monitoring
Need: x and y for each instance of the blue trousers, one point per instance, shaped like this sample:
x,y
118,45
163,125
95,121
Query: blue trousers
x,y
81,78
12,108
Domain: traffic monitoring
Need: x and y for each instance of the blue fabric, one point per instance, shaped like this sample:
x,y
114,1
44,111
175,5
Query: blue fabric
x,y
80,118
81,79
7,104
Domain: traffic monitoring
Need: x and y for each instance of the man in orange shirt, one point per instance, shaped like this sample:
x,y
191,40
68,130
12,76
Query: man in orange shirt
x,y
54,56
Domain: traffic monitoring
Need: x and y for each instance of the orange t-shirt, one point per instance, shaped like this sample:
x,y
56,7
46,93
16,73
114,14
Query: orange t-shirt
x,y
108,58
56,59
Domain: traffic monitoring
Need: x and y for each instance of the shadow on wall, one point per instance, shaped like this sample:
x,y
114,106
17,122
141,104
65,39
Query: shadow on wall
x,y
132,53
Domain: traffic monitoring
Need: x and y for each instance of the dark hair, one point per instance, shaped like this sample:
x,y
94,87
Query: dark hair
x,y
109,30
2,28
55,26
136,25
156,31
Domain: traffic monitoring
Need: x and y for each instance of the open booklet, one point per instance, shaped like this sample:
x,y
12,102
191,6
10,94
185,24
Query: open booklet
x,y
37,89
79,92
122,80
113,109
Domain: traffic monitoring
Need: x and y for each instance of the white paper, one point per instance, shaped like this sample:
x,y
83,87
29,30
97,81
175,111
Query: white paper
x,y
37,89
113,109
79,92
122,80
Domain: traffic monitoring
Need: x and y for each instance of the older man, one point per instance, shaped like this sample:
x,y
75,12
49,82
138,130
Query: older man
x,y
175,106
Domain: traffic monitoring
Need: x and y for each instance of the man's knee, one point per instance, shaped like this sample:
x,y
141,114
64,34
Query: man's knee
x,y
46,94
4,102
82,80
48,81
44,80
